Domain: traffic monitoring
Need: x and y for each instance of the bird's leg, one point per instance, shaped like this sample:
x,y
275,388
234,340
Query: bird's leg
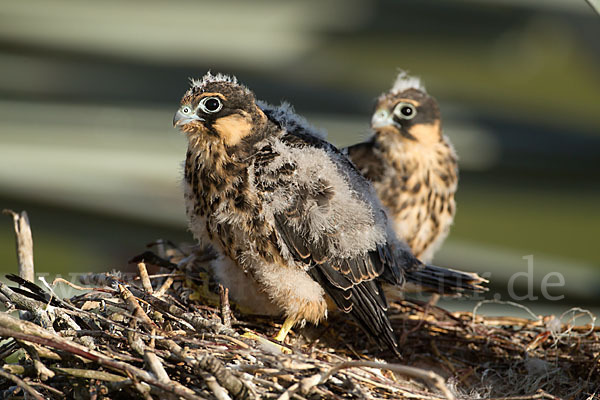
x,y
285,329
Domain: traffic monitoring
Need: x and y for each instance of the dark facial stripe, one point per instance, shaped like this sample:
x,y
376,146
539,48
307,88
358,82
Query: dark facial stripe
x,y
400,124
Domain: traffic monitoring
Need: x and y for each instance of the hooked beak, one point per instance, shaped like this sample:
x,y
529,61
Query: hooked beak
x,y
381,118
181,119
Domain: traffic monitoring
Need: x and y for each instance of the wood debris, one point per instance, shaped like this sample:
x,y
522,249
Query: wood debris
x,y
170,332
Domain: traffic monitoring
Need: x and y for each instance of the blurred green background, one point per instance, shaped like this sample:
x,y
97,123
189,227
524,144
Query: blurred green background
x,y
88,90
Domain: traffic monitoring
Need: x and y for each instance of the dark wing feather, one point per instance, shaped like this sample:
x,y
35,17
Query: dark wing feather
x,y
364,302
32,287
33,291
368,160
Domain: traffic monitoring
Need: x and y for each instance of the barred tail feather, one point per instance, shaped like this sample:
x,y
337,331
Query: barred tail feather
x,y
445,281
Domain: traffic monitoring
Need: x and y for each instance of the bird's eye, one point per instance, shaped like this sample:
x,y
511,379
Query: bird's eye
x,y
405,111
211,104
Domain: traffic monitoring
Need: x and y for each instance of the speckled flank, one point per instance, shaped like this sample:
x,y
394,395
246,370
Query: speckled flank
x,y
419,192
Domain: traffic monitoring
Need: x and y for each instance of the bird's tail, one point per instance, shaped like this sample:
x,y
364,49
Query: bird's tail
x,y
444,281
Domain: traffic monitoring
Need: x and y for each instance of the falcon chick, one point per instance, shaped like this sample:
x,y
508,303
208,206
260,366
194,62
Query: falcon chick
x,y
412,165
294,222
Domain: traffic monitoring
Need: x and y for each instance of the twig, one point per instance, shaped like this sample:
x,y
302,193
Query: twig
x,y
146,284
6,302
225,308
291,390
164,287
48,388
22,384
430,377
66,282
232,340
135,308
219,392
156,366
24,244
90,374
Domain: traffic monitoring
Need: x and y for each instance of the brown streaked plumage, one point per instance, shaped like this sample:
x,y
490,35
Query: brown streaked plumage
x,y
294,223
412,165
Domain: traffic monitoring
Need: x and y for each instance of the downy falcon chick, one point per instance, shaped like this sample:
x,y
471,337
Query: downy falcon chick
x,y
293,221
412,165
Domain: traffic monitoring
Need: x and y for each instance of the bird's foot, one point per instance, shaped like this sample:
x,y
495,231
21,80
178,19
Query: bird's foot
x,y
285,329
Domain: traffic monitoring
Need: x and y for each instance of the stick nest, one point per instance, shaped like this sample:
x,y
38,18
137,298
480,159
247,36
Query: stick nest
x,y
173,334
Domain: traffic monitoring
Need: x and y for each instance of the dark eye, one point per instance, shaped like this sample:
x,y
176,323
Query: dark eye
x,y
405,110
211,104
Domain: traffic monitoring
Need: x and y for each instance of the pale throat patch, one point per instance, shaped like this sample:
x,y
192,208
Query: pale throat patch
x,y
426,133
233,128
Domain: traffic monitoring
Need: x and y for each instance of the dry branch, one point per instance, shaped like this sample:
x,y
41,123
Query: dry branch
x,y
146,284
225,308
24,244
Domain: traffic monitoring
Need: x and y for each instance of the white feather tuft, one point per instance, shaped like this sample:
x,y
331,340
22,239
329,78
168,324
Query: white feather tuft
x,y
404,82
210,78
199,84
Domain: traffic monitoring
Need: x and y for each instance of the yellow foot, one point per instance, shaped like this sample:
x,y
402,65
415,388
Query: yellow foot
x,y
285,329
267,343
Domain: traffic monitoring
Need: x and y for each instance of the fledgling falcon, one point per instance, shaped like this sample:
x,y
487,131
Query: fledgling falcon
x,y
412,165
294,222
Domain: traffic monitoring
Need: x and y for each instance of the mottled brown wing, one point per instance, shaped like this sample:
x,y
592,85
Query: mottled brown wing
x,y
368,160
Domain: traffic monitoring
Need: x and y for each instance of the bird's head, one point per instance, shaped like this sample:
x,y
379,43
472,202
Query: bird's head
x,y
407,112
218,108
